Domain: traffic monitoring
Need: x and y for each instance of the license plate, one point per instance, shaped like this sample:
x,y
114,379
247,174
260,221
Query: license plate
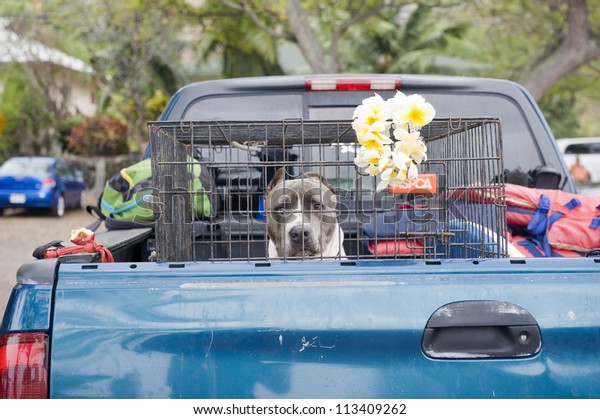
x,y
17,198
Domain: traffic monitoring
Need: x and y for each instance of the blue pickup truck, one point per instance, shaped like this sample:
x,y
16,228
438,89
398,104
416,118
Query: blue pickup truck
x,y
216,315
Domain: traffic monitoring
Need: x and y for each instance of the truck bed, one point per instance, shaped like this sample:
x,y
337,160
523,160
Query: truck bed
x,y
323,330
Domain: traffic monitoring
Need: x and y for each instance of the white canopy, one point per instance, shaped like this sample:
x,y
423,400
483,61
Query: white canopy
x,y
14,48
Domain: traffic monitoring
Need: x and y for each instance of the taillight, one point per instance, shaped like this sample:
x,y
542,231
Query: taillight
x,y
49,182
23,372
353,83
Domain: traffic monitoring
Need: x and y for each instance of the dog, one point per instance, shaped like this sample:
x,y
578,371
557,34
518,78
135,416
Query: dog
x,y
301,218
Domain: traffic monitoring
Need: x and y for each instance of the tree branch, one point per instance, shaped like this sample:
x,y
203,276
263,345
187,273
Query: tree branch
x,y
339,30
307,41
577,48
245,8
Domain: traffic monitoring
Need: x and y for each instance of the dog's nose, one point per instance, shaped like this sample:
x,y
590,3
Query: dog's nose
x,y
299,233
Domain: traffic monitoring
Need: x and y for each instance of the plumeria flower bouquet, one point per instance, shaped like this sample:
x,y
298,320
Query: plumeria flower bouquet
x,y
394,158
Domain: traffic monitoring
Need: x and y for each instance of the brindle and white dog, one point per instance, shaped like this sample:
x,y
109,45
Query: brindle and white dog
x,y
301,218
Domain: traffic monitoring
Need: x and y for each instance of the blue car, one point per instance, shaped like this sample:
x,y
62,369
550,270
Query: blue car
x,y
41,182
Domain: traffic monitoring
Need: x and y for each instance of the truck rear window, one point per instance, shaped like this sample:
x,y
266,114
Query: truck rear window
x,y
272,107
519,145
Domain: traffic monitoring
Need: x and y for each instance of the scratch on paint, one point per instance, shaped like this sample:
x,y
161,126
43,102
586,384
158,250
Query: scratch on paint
x,y
280,340
326,347
313,344
212,337
308,344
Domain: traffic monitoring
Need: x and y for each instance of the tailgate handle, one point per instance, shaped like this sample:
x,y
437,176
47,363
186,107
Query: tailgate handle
x,y
481,329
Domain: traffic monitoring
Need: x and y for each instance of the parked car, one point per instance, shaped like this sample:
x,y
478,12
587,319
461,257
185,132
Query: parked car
x,y
582,156
586,149
41,182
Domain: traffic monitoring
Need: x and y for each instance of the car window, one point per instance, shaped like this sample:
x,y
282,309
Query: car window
x,y
246,108
585,148
25,167
63,169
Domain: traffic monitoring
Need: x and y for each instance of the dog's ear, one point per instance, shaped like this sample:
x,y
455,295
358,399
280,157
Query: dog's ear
x,y
279,177
318,176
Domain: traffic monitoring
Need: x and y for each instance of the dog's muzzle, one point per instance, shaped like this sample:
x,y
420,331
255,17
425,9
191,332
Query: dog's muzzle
x,y
302,241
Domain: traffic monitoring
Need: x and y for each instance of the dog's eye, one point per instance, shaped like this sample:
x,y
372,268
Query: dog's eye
x,y
280,209
317,206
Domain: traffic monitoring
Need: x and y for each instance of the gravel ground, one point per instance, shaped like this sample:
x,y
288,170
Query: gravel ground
x,y
21,232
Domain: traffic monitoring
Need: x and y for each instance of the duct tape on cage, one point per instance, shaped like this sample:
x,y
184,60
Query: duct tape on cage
x,y
422,184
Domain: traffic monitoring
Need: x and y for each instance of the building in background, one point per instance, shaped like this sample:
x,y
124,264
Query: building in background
x,y
73,83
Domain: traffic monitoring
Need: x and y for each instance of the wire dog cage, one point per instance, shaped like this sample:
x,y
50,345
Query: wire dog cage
x,y
455,209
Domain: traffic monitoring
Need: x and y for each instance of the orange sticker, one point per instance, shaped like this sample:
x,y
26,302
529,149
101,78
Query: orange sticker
x,y
423,184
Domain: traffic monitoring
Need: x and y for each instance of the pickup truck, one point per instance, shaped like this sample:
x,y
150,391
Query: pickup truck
x,y
431,326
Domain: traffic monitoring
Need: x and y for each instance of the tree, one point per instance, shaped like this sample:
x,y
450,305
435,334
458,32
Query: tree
x,y
552,39
519,39
537,42
33,110
572,45
37,84
409,40
319,28
232,38
132,45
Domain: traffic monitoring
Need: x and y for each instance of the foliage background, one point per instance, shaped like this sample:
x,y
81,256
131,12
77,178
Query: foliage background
x,y
142,51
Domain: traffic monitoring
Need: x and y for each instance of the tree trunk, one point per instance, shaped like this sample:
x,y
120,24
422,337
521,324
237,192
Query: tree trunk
x,y
308,43
577,48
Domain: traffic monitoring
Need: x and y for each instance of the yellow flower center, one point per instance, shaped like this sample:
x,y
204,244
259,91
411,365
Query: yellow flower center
x,y
416,115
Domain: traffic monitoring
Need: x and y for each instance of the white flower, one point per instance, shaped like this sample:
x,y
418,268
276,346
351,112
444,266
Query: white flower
x,y
371,123
402,134
413,109
397,103
366,156
371,117
374,159
413,171
372,126
396,171
410,143
363,128
372,110
389,177
401,160
374,140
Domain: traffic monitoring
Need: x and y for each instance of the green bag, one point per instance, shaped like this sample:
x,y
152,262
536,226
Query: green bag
x,y
127,196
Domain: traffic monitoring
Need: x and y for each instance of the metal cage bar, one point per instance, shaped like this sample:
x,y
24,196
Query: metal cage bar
x,y
464,218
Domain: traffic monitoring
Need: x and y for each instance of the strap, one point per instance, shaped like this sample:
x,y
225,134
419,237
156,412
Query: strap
x,y
91,247
95,212
142,185
532,246
39,251
593,253
541,221
573,203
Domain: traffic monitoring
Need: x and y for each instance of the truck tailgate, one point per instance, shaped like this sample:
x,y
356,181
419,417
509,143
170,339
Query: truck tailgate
x,y
318,329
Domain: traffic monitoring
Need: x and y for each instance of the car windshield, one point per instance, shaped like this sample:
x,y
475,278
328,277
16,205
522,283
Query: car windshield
x,y
25,167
